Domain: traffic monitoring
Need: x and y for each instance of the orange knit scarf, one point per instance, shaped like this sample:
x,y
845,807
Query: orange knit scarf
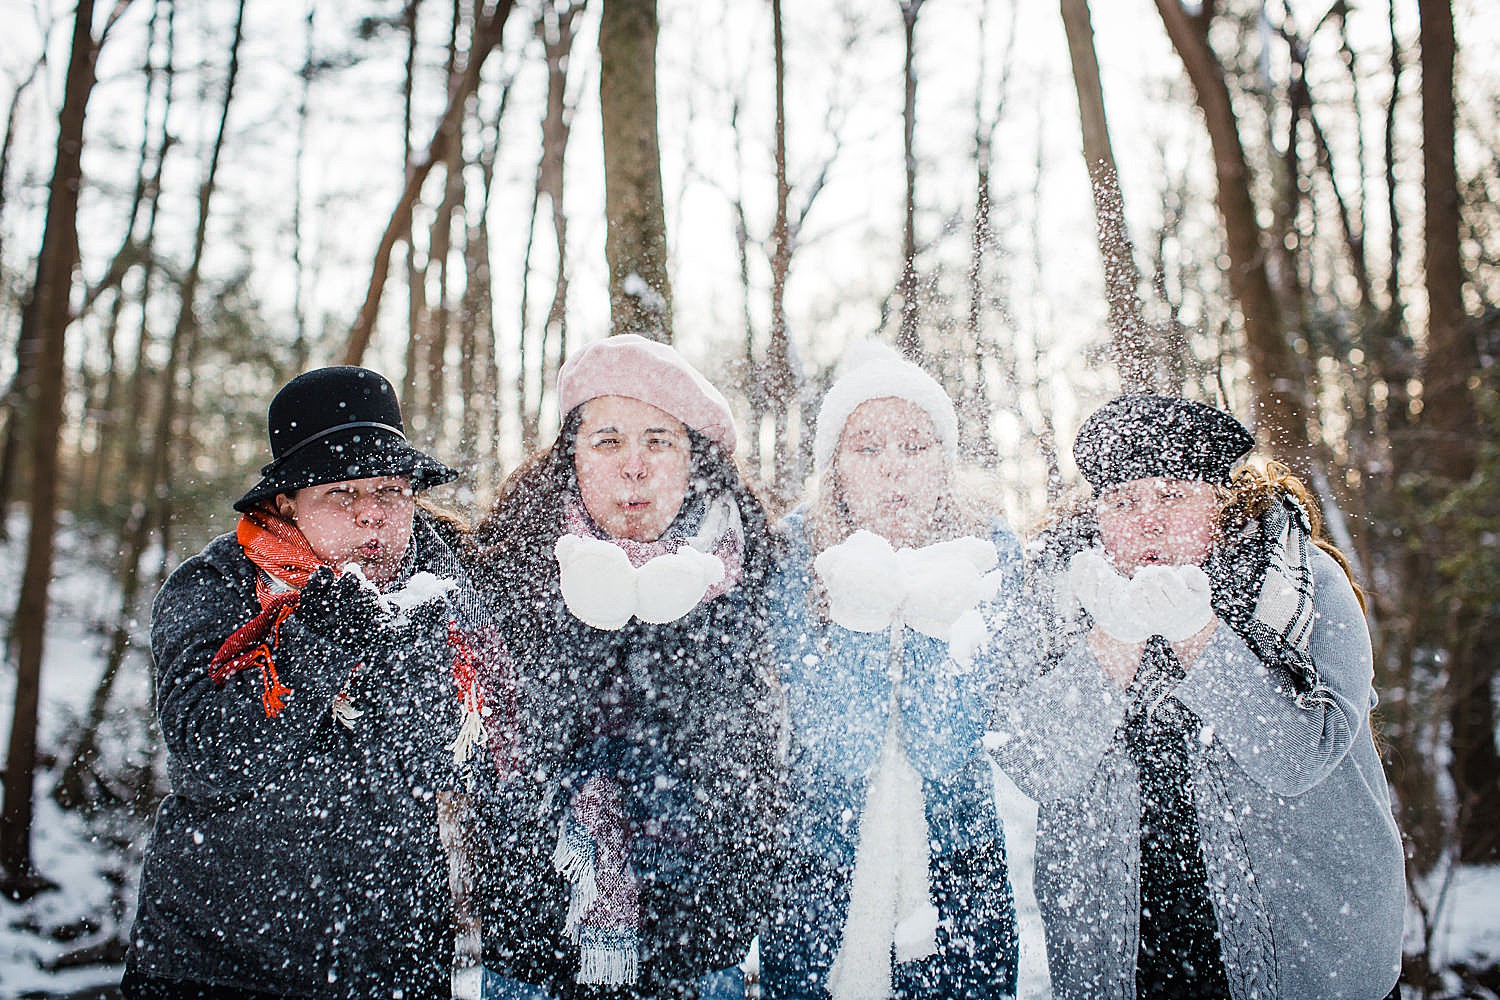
x,y
279,550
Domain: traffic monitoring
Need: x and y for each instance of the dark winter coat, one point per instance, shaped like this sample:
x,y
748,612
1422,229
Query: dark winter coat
x,y
839,693
294,855
681,717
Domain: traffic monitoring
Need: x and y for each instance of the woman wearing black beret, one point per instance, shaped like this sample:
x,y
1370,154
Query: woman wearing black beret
x,y
1192,717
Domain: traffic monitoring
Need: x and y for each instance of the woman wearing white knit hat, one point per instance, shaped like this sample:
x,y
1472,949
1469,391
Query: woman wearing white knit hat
x,y
895,881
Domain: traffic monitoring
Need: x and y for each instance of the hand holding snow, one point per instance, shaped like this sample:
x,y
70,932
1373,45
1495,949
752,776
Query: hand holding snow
x,y
670,586
1176,600
602,589
945,580
870,585
597,581
1170,601
861,578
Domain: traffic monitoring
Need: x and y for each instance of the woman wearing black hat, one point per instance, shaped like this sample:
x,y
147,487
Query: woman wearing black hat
x,y
316,685
1193,720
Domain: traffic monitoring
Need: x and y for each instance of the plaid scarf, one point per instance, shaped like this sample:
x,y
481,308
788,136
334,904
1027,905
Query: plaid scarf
x,y
604,909
1263,588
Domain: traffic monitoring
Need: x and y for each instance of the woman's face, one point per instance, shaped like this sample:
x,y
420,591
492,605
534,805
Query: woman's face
x,y
632,461
892,470
1157,522
361,521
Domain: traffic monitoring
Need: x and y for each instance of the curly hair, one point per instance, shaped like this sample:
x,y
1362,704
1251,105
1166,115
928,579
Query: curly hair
x,y
1251,492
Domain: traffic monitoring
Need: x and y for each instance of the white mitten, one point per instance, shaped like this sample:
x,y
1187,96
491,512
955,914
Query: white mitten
x,y
862,578
1102,592
1174,602
670,586
598,582
945,580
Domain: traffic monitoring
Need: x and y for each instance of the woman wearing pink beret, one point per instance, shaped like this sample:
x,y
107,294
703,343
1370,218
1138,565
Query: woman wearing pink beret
x,y
628,818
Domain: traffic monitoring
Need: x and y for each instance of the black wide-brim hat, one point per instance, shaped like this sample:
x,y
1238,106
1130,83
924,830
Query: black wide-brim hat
x,y
331,425
1147,436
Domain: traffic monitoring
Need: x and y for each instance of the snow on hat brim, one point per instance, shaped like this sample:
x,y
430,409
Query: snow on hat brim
x,y
630,365
1147,437
885,376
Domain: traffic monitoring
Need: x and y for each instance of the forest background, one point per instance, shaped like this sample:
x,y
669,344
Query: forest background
x,y
1287,207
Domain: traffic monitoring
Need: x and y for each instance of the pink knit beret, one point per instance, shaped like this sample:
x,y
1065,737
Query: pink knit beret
x,y
630,365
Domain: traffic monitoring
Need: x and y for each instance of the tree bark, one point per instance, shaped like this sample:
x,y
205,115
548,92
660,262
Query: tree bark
x,y
1282,408
640,293
45,322
487,32
908,337
1140,359
1451,429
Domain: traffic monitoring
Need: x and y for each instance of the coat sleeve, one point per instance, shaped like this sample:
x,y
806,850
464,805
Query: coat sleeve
x,y
219,734
945,701
837,681
1252,709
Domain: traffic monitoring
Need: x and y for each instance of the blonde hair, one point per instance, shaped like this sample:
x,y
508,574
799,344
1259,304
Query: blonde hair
x,y
1251,492
960,512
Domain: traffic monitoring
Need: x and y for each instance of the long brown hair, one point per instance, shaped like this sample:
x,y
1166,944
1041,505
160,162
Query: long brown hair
x,y
1251,492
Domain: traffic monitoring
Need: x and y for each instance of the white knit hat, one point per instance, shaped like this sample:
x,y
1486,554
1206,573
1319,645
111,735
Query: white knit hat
x,y
875,371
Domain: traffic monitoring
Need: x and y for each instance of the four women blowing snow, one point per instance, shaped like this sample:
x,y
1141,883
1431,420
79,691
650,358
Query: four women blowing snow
x,y
653,728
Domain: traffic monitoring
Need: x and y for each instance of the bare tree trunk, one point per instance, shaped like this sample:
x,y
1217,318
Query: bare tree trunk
x,y
439,254
70,789
486,37
416,277
45,323
95,480
781,382
17,392
554,26
301,347
640,292
1451,431
10,135
976,441
1142,362
908,337
1282,409
557,129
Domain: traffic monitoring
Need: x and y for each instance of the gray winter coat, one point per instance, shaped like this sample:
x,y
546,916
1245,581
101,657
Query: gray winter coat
x,y
296,856
1304,861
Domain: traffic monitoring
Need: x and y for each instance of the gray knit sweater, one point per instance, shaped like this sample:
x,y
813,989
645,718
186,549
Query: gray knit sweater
x,y
1304,860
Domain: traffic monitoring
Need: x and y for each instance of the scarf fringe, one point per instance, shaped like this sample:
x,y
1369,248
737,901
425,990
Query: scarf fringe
x,y
609,964
573,859
471,729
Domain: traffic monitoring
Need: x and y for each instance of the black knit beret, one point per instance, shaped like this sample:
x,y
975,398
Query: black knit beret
x,y
1147,436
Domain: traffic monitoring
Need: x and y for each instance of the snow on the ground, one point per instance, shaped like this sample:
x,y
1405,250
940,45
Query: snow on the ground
x,y
88,870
